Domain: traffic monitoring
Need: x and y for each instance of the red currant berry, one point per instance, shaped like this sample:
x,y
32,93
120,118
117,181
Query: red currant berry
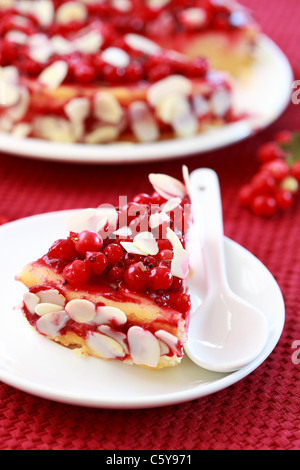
x,y
160,277
284,199
130,258
88,241
295,170
264,205
284,137
150,261
263,182
142,198
84,72
63,249
116,272
245,195
97,261
114,253
176,284
135,277
165,255
270,151
164,244
279,169
77,273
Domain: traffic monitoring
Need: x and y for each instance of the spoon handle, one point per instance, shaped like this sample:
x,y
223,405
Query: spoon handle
x,y
208,223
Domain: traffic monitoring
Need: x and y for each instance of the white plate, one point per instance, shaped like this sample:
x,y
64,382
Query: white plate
x,y
264,94
34,364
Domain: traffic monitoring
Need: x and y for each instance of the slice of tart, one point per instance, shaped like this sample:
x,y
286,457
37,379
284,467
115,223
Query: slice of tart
x,y
115,286
104,71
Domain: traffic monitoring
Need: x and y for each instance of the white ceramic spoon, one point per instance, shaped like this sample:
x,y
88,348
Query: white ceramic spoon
x,y
225,332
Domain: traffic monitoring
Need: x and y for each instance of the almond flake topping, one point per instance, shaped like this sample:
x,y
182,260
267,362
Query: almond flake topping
x,y
107,107
106,314
142,44
146,242
180,261
172,85
118,336
171,204
167,186
157,219
144,346
51,296
116,57
81,310
45,307
89,43
167,338
92,219
44,12
104,346
71,11
143,123
54,75
30,300
9,94
51,323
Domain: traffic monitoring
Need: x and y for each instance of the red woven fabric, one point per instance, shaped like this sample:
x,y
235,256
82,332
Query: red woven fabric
x,y
259,412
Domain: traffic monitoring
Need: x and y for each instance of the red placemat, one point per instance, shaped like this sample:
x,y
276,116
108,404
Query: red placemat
x,y
259,412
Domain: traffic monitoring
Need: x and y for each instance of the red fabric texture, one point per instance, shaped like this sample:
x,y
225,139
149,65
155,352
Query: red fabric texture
x,y
259,412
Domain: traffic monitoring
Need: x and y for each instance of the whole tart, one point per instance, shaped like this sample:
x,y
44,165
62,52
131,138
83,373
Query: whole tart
x,y
115,287
99,71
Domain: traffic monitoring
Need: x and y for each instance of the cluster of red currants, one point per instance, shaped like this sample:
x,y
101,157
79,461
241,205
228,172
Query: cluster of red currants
x,y
277,181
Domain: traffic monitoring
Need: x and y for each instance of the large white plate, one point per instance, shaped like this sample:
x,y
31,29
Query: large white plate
x,y
30,362
264,94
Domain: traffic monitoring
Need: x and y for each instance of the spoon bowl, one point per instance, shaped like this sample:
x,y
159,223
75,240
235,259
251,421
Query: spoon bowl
x,y
225,331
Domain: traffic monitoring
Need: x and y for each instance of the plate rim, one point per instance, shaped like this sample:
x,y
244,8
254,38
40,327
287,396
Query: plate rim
x,y
121,153
149,401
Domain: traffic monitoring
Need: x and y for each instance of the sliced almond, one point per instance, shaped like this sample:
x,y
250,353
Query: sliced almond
x,y
89,43
146,242
52,296
171,204
71,11
220,102
22,129
201,105
118,336
167,186
18,111
143,346
9,94
168,338
54,129
180,261
44,308
172,85
131,248
44,12
102,134
17,36
53,75
81,310
141,43
51,323
77,109
31,300
61,46
107,107
143,123
85,219
157,219
116,57
122,5
9,74
107,315
104,346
